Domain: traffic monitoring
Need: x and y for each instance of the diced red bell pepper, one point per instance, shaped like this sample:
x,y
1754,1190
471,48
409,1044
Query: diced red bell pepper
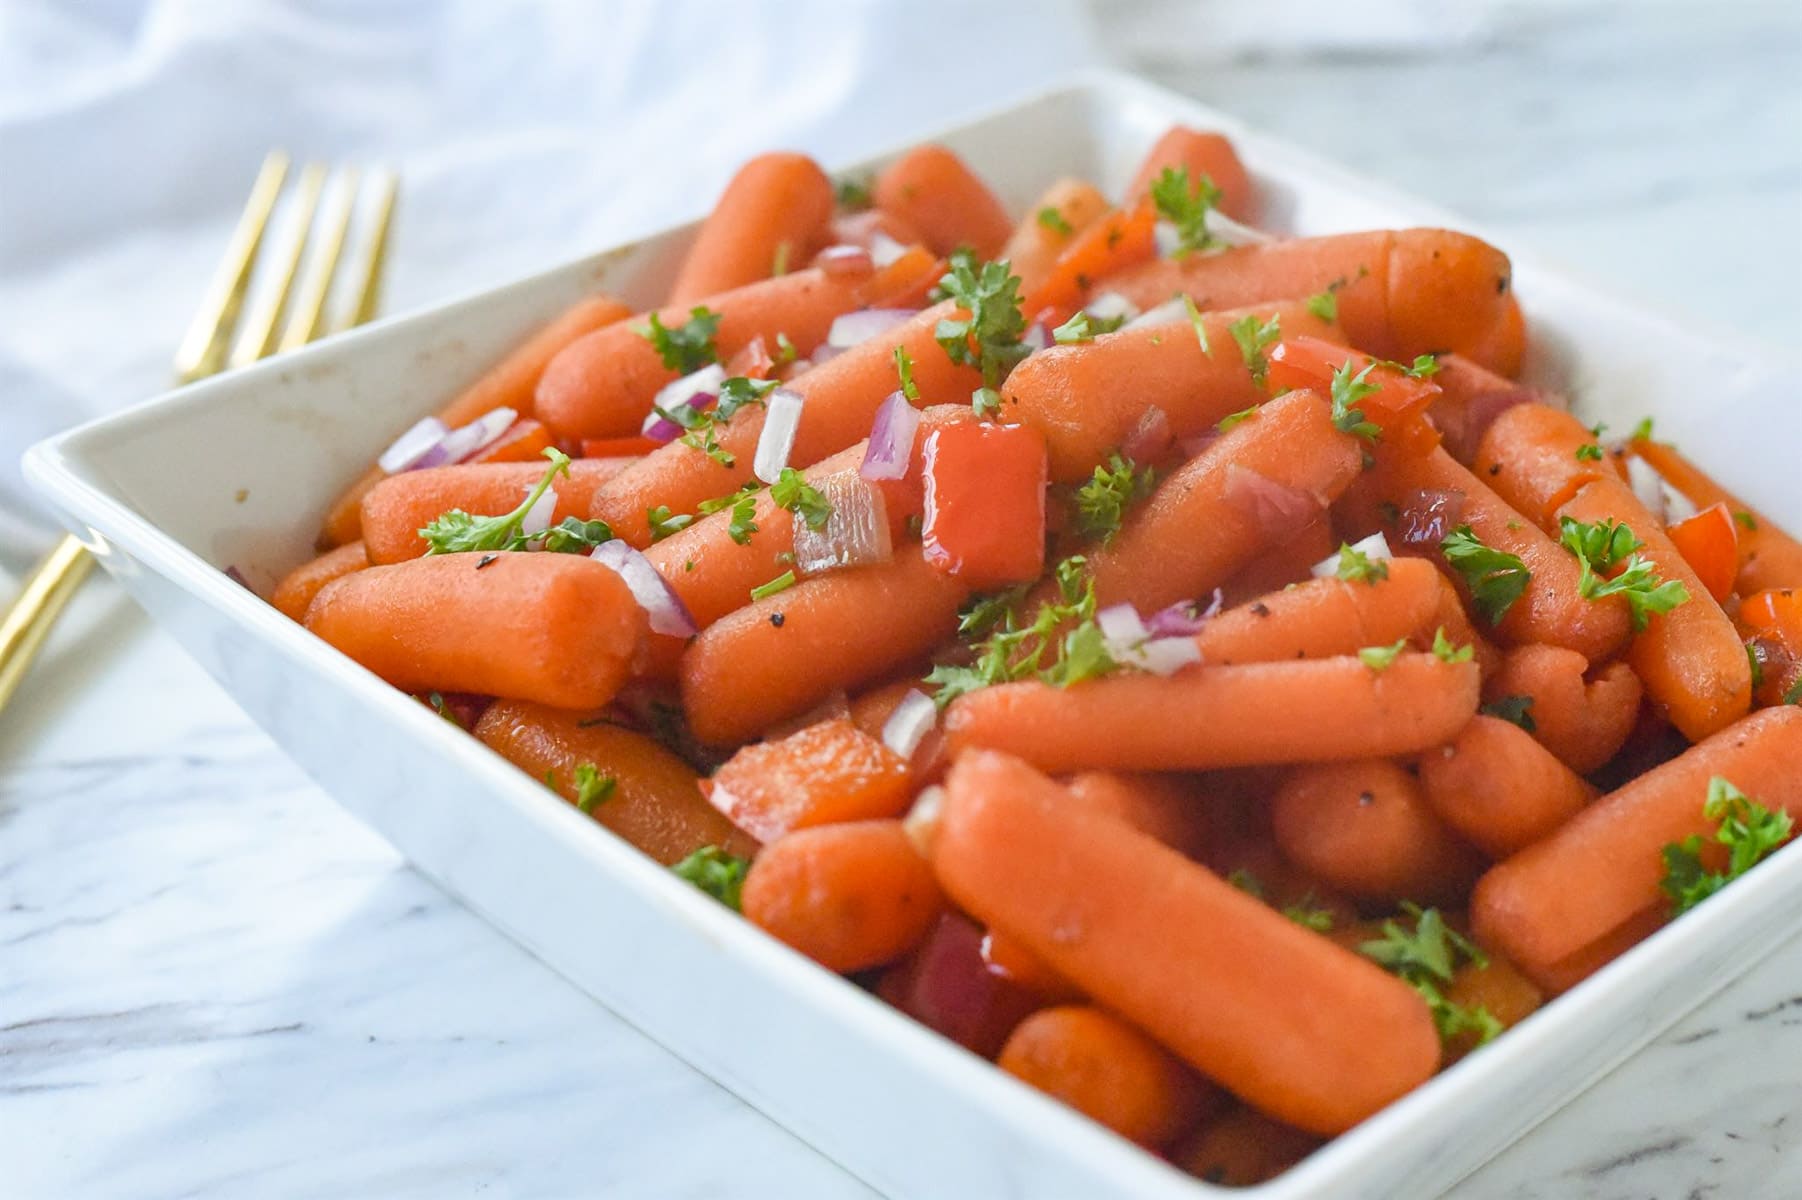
x,y
946,986
1771,623
1709,543
984,503
1307,362
524,441
828,772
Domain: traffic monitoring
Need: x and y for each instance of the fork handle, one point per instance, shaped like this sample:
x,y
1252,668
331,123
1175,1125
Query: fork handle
x,y
27,623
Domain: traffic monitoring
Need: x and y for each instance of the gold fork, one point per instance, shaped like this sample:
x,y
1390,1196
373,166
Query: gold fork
x,y
295,305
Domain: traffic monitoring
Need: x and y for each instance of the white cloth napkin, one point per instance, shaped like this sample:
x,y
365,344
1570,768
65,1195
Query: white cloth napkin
x,y
525,134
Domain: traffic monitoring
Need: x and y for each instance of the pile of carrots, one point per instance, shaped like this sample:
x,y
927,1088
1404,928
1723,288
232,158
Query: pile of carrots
x,y
1234,697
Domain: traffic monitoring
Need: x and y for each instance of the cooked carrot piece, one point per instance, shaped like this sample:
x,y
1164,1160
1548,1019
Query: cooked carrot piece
x,y
1504,348
653,801
1243,1148
984,504
1119,240
1108,1071
1157,805
1365,828
932,190
1499,788
1065,209
1535,457
1322,618
298,587
397,508
1289,561
525,441
1008,958
1460,631
630,448
1277,1014
509,384
1602,869
1316,711
825,774
1471,397
1583,721
774,212
848,896
1202,153
1498,988
1709,543
778,657
1770,557
1251,862
945,984
558,628
1771,622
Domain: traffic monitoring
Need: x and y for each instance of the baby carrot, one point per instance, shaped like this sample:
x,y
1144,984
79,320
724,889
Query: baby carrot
x,y
1119,240
1321,618
298,587
1459,630
1709,543
1770,558
771,218
1583,721
1497,987
1364,827
1289,561
1108,1071
1213,515
1499,788
1504,348
1274,1012
1535,457
1471,396
1073,394
397,508
1690,659
839,399
1159,806
1602,869
1243,1148
779,656
509,384
848,896
825,774
652,802
1065,209
1200,153
1321,710
932,190
557,628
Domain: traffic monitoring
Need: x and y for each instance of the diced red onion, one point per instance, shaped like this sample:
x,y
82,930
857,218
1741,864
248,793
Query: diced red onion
x,y
1234,233
884,249
1150,439
412,445
1655,492
695,390
1109,305
1036,337
909,724
1428,516
891,442
1375,547
824,353
667,612
856,532
538,517
1195,443
1167,656
840,261
1276,507
1165,237
1167,313
782,416
853,328
1184,618
922,820
1463,425
1129,641
467,440
1120,624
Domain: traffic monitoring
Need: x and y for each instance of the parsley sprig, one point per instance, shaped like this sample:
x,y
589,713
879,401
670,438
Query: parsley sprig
x,y
1347,392
1085,327
1749,831
1601,546
989,338
716,872
1035,651
1185,201
1255,337
1426,958
743,506
1102,502
702,424
458,532
794,493
689,346
592,787
1496,578
1355,566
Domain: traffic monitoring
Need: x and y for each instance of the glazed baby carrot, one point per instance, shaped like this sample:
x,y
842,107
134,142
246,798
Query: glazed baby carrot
x,y
1499,788
1583,721
1549,607
1274,1012
1535,457
1119,240
825,774
1498,988
771,218
1365,829
1459,630
1709,543
1770,557
1074,395
1690,658
297,588
1398,294
847,896
1321,618
397,508
1321,710
1159,806
1243,1148
1260,483
932,190
1200,153
1289,561
1065,209
627,781
779,656
839,400
1108,1071
1602,869
1504,348
557,628
1471,397
1011,960
509,384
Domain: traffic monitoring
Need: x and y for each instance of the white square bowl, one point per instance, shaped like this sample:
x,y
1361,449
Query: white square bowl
x,y
238,471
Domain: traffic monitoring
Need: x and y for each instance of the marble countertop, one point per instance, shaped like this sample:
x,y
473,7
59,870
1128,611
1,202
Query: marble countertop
x,y
214,983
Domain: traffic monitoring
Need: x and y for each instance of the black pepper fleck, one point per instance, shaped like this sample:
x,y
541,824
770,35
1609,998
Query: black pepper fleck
x,y
776,619
1260,609
487,560
1495,468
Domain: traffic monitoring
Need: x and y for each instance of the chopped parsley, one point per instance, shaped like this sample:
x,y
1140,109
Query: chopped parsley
x,y
1355,566
689,346
1324,305
1185,202
1036,651
794,493
1445,651
572,535
592,787
1254,337
1748,830
1589,452
989,338
982,613
986,402
663,522
702,424
1642,432
1197,324
1303,912
742,504
1051,219
1232,419
1101,503
1746,521
1084,326
1380,658
779,260
719,874
781,583
1516,710
1600,546
1348,391
443,709
904,370
1496,578
1426,959
457,532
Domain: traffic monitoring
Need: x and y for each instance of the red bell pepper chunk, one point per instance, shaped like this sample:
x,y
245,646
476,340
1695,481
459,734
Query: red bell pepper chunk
x,y
1709,543
984,503
1307,362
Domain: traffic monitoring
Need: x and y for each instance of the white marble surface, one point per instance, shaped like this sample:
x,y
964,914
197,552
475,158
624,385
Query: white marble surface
x,y
212,982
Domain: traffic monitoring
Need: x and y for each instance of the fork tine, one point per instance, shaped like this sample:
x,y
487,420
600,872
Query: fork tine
x,y
309,302
257,340
202,346
369,288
